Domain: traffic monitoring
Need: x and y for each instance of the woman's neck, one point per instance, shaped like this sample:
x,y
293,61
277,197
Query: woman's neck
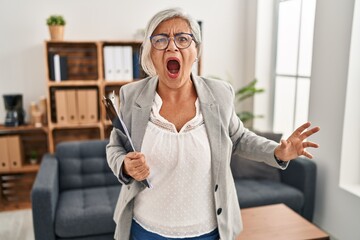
x,y
184,93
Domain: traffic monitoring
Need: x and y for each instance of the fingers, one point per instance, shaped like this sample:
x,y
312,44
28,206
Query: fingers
x,y
308,133
302,128
135,166
310,144
307,154
300,131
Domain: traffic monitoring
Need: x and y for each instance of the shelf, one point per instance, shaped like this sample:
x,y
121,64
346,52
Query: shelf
x,y
115,83
15,188
74,83
11,206
22,128
24,169
71,126
122,42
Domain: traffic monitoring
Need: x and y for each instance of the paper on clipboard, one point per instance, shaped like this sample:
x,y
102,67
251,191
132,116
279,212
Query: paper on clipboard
x,y
118,123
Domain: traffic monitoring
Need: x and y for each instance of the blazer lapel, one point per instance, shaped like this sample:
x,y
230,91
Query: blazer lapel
x,y
141,112
211,113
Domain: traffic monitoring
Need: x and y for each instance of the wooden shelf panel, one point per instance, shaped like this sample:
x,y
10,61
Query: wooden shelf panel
x,y
11,206
15,190
76,126
27,168
22,128
115,83
122,42
75,134
74,83
33,144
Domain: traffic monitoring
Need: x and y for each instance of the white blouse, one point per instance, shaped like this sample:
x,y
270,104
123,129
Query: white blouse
x,y
181,203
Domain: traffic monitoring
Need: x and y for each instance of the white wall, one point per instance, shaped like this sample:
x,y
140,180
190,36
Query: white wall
x,y
350,152
336,210
23,31
264,65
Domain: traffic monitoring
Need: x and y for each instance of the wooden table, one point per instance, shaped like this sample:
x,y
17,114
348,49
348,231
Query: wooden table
x,y
277,222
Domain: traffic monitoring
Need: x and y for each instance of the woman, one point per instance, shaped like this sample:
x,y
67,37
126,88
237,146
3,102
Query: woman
x,y
184,130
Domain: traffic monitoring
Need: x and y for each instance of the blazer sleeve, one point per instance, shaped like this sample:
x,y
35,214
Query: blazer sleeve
x,y
246,144
116,151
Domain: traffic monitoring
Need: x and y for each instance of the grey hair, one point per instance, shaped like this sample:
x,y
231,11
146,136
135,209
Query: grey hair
x,y
160,17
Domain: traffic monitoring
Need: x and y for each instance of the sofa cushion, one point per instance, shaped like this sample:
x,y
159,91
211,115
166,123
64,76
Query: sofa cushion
x,y
252,193
249,169
87,211
83,165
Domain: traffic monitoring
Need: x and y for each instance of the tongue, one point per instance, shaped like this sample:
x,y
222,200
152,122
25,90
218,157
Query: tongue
x,y
173,66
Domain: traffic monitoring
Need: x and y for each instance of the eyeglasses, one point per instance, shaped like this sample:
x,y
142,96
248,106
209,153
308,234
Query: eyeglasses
x,y
161,41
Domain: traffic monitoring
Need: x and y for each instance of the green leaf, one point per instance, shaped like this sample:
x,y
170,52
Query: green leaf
x,y
55,20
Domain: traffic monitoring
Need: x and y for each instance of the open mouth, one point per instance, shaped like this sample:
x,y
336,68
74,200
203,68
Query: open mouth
x,y
173,66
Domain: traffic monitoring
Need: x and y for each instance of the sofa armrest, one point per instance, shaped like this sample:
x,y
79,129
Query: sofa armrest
x,y
44,197
301,174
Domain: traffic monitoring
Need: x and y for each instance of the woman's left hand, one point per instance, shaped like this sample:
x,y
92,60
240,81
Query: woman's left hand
x,y
295,146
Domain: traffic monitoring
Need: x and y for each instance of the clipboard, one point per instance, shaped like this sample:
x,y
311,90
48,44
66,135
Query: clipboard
x,y
118,123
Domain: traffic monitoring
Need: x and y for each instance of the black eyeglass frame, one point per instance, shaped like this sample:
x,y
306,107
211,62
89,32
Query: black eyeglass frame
x,y
168,40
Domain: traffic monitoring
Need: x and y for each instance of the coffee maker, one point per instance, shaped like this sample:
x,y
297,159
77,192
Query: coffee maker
x,y
15,113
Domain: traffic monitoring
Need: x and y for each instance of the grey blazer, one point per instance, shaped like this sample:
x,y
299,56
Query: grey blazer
x,y
227,136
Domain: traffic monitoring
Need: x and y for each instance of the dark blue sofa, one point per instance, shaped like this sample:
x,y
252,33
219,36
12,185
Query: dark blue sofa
x,y
75,192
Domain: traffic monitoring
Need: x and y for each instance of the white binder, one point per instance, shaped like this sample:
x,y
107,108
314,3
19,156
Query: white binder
x,y
109,68
127,63
118,63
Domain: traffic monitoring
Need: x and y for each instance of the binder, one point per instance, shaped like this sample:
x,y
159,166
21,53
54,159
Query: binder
x,y
15,152
136,64
60,68
60,104
63,68
71,106
57,68
109,68
81,96
92,105
118,63
51,66
127,66
87,105
4,155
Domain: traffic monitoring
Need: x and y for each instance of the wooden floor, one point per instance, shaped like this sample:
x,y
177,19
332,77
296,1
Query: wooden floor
x,y
16,225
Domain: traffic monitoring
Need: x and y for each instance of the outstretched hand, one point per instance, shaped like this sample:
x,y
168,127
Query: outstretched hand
x,y
295,145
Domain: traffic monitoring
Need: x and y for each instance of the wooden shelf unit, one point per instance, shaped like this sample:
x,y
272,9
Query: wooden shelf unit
x,y
16,183
85,71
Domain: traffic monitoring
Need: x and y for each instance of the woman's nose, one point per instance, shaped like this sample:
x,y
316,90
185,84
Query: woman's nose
x,y
172,46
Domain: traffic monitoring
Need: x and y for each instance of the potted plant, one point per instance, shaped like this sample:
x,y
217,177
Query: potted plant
x,y
33,157
56,25
245,92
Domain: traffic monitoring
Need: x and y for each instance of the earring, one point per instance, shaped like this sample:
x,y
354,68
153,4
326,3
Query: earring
x,y
196,59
